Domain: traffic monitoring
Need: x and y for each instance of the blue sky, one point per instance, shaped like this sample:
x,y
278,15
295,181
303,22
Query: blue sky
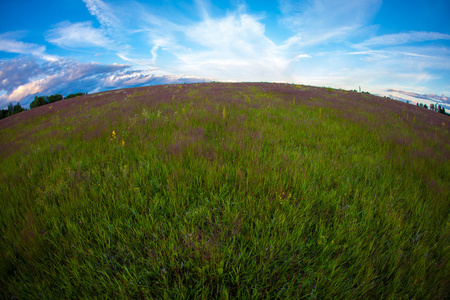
x,y
392,48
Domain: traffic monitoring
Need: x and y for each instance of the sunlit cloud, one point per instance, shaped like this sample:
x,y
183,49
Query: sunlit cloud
x,y
21,79
31,88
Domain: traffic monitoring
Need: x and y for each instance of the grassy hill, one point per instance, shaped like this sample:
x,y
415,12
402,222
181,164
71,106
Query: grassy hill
x,y
217,191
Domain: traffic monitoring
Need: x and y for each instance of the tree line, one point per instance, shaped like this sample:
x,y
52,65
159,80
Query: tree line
x,y
433,107
38,101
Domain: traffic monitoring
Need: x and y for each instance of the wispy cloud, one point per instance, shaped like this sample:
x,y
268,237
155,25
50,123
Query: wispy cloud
x,y
103,13
403,38
225,47
322,15
111,34
137,78
78,35
9,44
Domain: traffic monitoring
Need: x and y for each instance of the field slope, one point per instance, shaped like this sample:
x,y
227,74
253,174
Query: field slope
x,y
217,191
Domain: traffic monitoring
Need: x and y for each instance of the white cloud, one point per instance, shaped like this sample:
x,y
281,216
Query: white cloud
x,y
21,47
78,35
326,24
232,47
225,47
110,35
238,36
413,97
9,44
32,88
406,59
403,38
103,13
141,63
137,78
316,15
33,76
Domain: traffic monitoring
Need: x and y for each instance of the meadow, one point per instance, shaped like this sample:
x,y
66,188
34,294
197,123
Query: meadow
x,y
220,190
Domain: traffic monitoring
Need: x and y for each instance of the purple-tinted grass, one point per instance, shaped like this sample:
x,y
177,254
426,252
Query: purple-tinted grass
x,y
118,105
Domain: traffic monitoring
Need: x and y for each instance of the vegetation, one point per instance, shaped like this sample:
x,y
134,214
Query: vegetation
x,y
74,95
38,101
43,100
12,109
433,107
217,191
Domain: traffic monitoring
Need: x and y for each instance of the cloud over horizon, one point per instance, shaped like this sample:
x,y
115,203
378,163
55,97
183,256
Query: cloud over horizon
x,y
24,78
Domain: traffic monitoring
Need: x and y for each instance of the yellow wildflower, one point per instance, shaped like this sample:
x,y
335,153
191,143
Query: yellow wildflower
x,y
123,143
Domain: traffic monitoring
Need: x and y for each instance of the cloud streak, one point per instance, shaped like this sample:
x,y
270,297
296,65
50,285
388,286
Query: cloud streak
x,y
78,35
103,13
403,38
317,21
11,45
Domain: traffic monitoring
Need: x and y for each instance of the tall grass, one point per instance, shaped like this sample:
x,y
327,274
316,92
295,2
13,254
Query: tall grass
x,y
224,191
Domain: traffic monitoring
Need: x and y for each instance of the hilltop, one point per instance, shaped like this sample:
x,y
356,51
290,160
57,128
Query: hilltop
x,y
218,190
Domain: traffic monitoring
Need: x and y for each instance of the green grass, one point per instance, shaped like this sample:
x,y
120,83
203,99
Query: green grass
x,y
220,191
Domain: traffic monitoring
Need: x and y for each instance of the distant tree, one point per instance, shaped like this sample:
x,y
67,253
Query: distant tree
x,y
73,95
432,106
54,98
425,106
17,108
3,113
10,109
38,101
